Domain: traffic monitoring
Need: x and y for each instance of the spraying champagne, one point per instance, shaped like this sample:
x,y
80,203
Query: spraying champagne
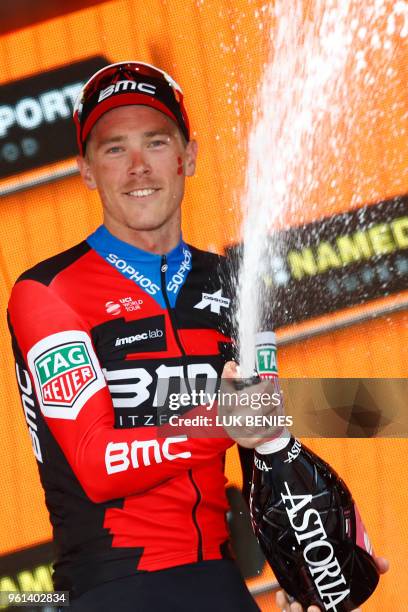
x,y
305,519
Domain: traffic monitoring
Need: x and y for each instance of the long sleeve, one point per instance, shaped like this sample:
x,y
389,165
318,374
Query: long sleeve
x,y
52,343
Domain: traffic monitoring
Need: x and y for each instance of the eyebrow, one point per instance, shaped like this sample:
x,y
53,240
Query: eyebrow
x,y
161,132
110,140
120,138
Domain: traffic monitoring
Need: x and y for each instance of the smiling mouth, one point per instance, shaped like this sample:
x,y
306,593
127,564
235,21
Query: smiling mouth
x,y
141,193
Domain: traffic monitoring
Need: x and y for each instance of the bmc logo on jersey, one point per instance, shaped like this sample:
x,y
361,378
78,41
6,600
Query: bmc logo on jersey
x,y
66,373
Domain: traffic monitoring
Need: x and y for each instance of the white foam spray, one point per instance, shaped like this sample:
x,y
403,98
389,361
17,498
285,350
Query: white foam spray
x,y
309,86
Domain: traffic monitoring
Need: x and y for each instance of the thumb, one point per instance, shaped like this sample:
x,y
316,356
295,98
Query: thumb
x,y
230,370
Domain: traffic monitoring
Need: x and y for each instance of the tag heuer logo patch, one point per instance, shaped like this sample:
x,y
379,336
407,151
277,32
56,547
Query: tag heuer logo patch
x,y
63,373
66,373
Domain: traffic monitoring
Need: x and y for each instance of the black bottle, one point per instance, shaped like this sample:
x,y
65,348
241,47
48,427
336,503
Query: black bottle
x,y
309,528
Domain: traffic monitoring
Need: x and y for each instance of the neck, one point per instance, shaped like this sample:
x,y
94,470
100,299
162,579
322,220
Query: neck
x,y
158,241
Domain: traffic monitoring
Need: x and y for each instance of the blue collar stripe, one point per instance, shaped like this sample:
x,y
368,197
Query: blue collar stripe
x,y
143,267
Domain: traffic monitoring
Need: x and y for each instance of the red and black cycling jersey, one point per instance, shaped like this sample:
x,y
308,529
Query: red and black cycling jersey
x,y
101,333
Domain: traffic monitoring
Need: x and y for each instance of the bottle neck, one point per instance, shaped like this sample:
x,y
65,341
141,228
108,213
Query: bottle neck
x,y
275,445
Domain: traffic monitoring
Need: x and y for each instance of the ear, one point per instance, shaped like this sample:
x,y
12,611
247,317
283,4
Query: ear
x,y
190,157
86,172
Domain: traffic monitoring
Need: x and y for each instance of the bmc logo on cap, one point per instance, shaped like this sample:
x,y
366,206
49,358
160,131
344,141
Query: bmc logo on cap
x,y
145,88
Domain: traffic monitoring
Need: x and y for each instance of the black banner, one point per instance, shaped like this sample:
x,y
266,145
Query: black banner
x,y
27,570
36,126
339,261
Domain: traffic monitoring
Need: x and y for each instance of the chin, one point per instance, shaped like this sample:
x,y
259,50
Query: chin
x,y
137,226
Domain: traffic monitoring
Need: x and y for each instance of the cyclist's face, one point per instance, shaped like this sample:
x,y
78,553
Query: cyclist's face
x,y
138,161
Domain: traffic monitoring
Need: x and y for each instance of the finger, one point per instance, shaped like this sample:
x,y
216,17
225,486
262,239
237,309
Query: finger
x,y
230,370
383,565
281,600
313,609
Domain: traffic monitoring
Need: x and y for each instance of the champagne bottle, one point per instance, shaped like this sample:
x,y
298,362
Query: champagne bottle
x,y
306,521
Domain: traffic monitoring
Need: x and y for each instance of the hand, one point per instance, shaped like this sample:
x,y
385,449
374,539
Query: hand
x,y
243,409
284,604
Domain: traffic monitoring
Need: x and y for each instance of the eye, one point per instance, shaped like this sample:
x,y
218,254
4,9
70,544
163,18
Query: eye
x,y
158,142
115,149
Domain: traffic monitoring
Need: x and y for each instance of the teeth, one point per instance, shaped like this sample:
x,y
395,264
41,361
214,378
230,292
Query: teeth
x,y
141,193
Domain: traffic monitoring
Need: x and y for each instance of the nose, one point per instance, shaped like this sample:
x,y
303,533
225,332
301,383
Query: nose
x,y
138,164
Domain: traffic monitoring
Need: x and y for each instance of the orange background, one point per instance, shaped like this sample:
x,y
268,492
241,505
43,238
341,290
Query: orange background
x,y
215,49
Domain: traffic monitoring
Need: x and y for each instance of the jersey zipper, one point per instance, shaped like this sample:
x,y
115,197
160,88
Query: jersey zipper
x,y
194,514
163,270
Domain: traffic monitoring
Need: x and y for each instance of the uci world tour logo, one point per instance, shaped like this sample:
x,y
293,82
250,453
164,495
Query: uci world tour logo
x,y
66,373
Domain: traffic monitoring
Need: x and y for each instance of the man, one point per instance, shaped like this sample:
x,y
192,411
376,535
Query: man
x,y
112,324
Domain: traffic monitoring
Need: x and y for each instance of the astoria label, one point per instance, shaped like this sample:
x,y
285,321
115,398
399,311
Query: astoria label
x,y
318,552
